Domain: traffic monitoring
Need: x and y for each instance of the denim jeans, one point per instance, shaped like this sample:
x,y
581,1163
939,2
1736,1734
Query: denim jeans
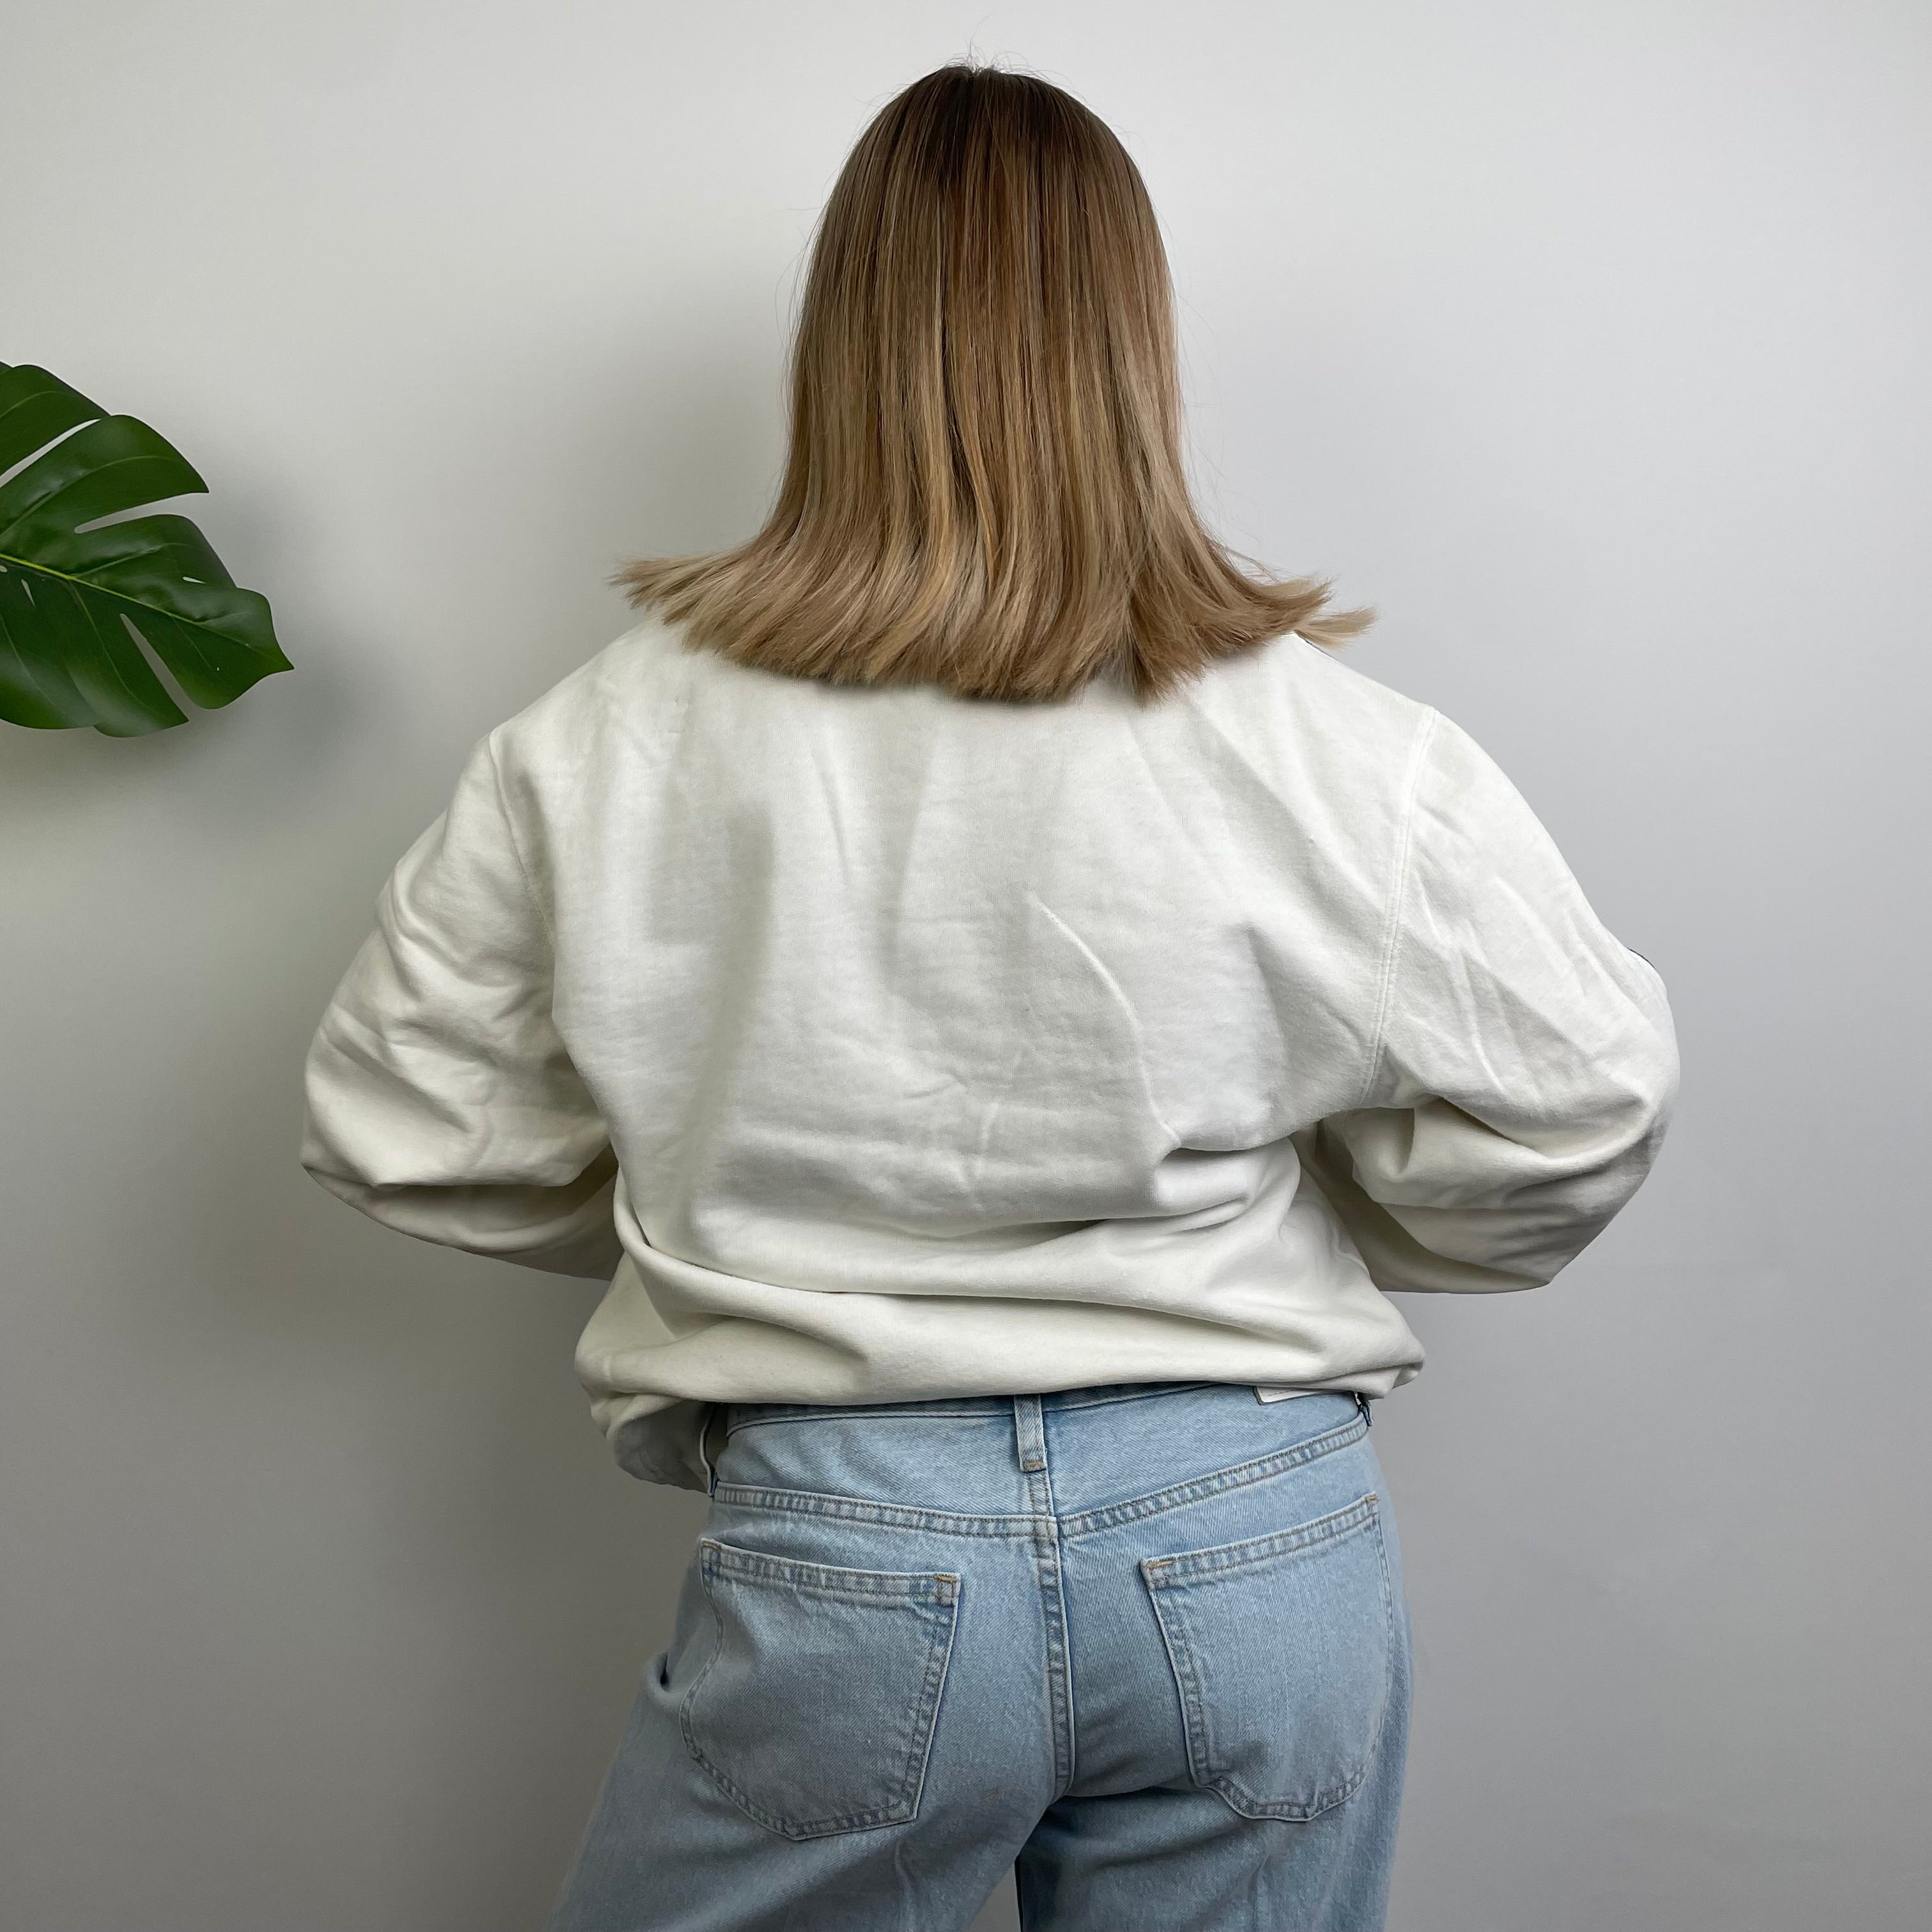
x,y
1149,1644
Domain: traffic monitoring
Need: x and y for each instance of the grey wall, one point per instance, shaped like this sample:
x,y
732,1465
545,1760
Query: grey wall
x,y
1588,341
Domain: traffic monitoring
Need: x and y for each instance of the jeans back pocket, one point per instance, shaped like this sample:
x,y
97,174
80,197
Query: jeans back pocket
x,y
1283,1651
815,1711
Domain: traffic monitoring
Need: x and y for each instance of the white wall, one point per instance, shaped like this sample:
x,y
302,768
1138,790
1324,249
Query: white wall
x,y
1588,341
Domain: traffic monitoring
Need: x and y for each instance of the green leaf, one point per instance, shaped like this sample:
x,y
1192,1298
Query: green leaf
x,y
77,604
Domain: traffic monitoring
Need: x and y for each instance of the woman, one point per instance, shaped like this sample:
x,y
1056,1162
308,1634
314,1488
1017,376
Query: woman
x,y
1003,1005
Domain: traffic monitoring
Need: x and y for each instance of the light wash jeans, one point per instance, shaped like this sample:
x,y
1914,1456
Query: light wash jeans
x,y
1150,1643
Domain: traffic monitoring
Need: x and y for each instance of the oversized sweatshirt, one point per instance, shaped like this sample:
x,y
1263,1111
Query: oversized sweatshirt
x,y
875,1045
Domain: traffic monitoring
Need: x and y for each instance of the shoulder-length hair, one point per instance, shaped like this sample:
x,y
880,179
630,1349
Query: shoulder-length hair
x,y
985,487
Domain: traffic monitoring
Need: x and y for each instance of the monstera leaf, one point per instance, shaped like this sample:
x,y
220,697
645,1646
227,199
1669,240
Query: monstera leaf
x,y
74,601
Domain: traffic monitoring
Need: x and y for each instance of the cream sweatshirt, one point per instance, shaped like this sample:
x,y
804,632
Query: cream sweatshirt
x,y
875,1045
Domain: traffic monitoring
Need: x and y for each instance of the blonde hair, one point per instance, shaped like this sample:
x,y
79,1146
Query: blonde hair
x,y
985,486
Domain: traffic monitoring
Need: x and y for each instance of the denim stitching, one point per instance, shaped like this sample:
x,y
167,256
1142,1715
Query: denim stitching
x,y
944,1589
1193,1721
1160,1574
1157,1502
1086,1522
824,1579
938,1663
1388,1623
857,1509
1224,1559
1050,1570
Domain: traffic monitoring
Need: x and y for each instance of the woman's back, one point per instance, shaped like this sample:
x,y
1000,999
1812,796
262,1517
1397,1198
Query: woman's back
x,y
947,1046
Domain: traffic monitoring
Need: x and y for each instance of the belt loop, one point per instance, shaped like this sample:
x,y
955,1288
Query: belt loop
x,y
1030,1433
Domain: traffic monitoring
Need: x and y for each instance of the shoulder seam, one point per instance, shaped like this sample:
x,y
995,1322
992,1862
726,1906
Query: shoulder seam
x,y
1392,924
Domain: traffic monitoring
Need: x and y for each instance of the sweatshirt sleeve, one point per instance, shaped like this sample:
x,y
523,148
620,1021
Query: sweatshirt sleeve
x,y
439,1098
1525,1065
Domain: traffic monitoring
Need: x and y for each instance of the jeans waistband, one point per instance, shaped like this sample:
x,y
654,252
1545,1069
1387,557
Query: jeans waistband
x,y
723,1418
